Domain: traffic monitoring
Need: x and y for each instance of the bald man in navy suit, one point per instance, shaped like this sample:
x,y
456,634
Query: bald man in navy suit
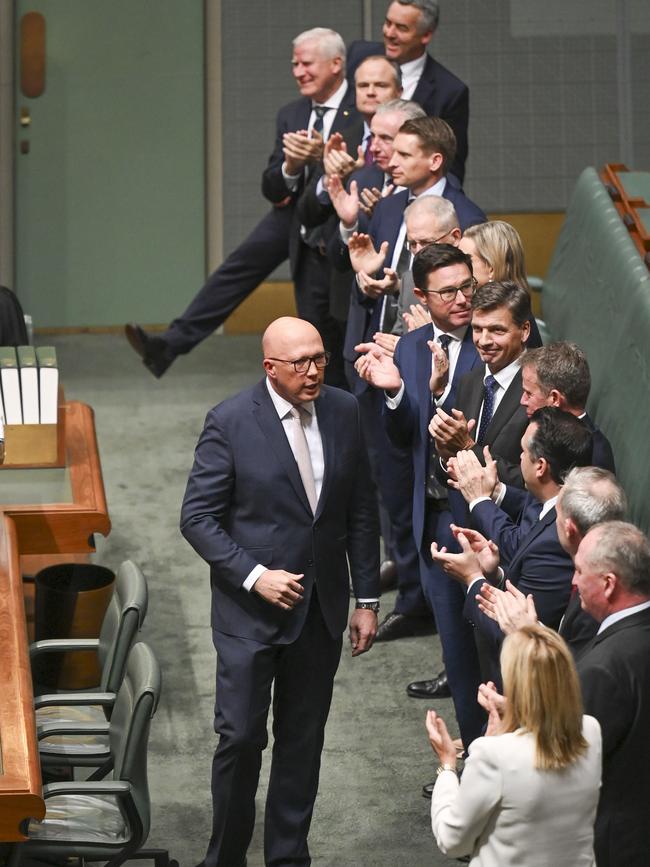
x,y
281,506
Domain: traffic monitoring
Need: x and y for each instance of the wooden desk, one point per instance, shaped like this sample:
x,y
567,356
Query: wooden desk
x,y
44,511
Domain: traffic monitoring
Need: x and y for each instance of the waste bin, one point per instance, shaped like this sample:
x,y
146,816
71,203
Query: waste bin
x,y
70,602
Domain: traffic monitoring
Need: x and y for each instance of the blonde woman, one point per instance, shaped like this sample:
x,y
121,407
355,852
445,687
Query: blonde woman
x,y
530,787
496,252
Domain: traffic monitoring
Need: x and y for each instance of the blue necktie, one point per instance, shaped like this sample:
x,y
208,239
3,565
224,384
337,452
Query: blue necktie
x,y
489,391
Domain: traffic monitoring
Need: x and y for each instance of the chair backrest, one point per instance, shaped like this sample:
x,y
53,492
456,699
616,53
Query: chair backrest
x,y
135,705
124,617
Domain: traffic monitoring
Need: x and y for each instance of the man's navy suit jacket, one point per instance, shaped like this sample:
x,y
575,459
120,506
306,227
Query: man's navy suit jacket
x,y
245,505
531,556
408,425
292,117
602,454
439,92
614,672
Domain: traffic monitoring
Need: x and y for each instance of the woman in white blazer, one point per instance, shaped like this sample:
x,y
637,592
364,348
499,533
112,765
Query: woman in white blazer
x,y
530,787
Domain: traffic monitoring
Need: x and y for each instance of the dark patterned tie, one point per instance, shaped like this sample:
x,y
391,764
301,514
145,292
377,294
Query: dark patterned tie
x,y
434,489
444,340
320,111
489,391
367,153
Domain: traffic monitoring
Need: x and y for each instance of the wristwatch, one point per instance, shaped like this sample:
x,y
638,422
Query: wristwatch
x,y
445,767
370,606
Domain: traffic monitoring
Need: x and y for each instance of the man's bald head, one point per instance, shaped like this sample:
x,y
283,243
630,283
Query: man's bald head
x,y
284,332
288,340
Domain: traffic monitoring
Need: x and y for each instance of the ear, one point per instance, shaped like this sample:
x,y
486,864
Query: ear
x,y
611,584
269,367
337,64
541,467
435,162
420,295
425,38
525,331
455,235
571,531
556,398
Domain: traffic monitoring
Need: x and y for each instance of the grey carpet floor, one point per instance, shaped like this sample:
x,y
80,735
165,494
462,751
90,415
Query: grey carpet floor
x,y
369,810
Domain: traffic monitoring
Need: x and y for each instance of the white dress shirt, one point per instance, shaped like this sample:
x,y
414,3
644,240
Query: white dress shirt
x,y
455,344
504,377
411,74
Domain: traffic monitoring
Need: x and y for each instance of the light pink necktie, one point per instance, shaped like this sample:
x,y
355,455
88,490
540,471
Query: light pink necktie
x,y
302,455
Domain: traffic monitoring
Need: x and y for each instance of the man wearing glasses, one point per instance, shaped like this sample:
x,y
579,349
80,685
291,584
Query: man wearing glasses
x,y
278,502
424,374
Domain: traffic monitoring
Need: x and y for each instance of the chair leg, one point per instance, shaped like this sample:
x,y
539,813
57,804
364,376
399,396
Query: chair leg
x,y
160,857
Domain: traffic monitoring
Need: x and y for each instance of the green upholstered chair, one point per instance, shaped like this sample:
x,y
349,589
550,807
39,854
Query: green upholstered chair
x,y
105,820
124,617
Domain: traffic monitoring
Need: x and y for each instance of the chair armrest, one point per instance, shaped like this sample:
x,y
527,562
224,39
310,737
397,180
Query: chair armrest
x,y
59,645
86,787
49,729
106,699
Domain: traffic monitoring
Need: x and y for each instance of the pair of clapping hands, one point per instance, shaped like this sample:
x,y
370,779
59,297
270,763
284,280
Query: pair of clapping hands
x,y
441,742
338,165
479,557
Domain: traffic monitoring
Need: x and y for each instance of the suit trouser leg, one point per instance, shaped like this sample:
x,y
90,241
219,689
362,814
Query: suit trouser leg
x,y
302,695
392,470
240,273
312,289
245,671
447,599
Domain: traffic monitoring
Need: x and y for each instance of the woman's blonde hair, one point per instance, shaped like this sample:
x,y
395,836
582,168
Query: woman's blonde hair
x,y
499,245
541,684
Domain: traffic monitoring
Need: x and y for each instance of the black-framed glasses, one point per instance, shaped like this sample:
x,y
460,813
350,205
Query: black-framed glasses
x,y
302,365
449,293
416,246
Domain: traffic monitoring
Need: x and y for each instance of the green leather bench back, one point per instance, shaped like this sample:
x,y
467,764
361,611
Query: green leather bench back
x,y
597,293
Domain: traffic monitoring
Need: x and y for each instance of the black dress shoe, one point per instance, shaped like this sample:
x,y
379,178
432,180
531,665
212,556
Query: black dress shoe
x,y
396,625
154,352
427,790
387,575
436,688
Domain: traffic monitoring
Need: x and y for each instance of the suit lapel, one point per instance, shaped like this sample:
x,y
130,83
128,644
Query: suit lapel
x,y
475,393
271,426
327,428
389,226
506,409
346,113
467,358
422,377
537,529
426,85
